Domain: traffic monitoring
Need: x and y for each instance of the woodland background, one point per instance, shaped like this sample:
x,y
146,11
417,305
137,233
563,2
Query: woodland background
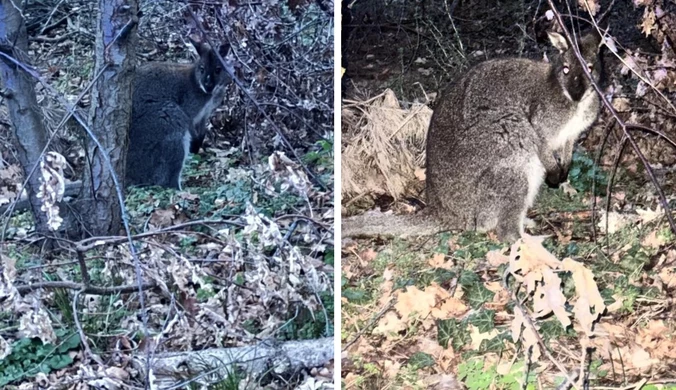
x,y
240,261
435,312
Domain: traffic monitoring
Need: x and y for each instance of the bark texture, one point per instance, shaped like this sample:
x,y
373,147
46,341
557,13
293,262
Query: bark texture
x,y
110,115
28,130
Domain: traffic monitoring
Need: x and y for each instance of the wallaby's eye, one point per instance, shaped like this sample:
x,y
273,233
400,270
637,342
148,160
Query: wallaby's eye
x,y
590,67
566,69
218,70
201,68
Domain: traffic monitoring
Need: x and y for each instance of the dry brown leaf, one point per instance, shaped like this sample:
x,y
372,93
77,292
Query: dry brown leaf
x,y
646,216
621,104
654,330
648,23
390,325
641,360
351,380
428,305
504,367
368,255
362,347
162,218
617,305
616,221
633,359
413,300
385,294
533,265
443,356
440,292
347,271
522,331
441,382
668,276
658,339
438,260
496,258
528,254
654,240
670,258
391,369
477,337
549,298
450,308
388,274
589,305
590,6
615,332
611,341
501,297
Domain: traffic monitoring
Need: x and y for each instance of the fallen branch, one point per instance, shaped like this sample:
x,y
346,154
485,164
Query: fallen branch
x,y
21,204
217,363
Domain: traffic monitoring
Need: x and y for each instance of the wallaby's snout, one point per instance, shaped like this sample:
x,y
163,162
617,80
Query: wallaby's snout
x,y
555,178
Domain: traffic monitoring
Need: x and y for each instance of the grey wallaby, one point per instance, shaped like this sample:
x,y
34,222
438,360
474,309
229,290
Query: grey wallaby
x,y
170,108
503,128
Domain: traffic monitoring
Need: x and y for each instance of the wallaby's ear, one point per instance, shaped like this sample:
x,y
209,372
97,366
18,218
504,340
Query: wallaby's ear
x,y
558,41
195,40
224,49
199,45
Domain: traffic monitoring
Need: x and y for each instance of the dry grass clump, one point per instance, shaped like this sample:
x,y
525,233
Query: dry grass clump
x,y
383,148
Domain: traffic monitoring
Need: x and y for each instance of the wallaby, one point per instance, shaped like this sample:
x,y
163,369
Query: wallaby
x,y
500,131
170,108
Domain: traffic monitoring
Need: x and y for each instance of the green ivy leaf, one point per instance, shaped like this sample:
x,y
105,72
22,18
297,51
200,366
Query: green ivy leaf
x,y
451,331
483,319
421,360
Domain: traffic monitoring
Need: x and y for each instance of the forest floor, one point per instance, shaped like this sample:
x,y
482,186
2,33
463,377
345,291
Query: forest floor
x,y
433,312
243,254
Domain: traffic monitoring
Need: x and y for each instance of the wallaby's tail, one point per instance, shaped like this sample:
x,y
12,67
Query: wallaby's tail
x,y
379,224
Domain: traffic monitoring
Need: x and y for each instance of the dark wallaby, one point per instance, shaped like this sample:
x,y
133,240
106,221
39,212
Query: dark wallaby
x,y
503,128
171,105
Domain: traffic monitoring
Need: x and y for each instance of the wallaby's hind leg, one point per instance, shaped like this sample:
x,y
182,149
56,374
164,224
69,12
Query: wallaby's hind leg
x,y
509,205
509,192
174,152
510,221
177,151
159,140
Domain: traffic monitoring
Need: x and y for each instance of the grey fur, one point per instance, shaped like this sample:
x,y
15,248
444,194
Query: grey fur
x,y
171,104
501,129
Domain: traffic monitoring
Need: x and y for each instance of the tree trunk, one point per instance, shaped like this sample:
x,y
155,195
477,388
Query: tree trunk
x,y
28,131
110,115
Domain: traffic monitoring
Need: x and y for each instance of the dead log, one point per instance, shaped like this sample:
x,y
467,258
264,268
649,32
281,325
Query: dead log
x,y
217,363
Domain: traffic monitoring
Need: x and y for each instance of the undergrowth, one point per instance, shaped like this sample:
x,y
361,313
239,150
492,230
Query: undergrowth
x,y
300,308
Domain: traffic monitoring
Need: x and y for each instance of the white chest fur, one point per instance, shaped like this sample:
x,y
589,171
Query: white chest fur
x,y
214,101
584,115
